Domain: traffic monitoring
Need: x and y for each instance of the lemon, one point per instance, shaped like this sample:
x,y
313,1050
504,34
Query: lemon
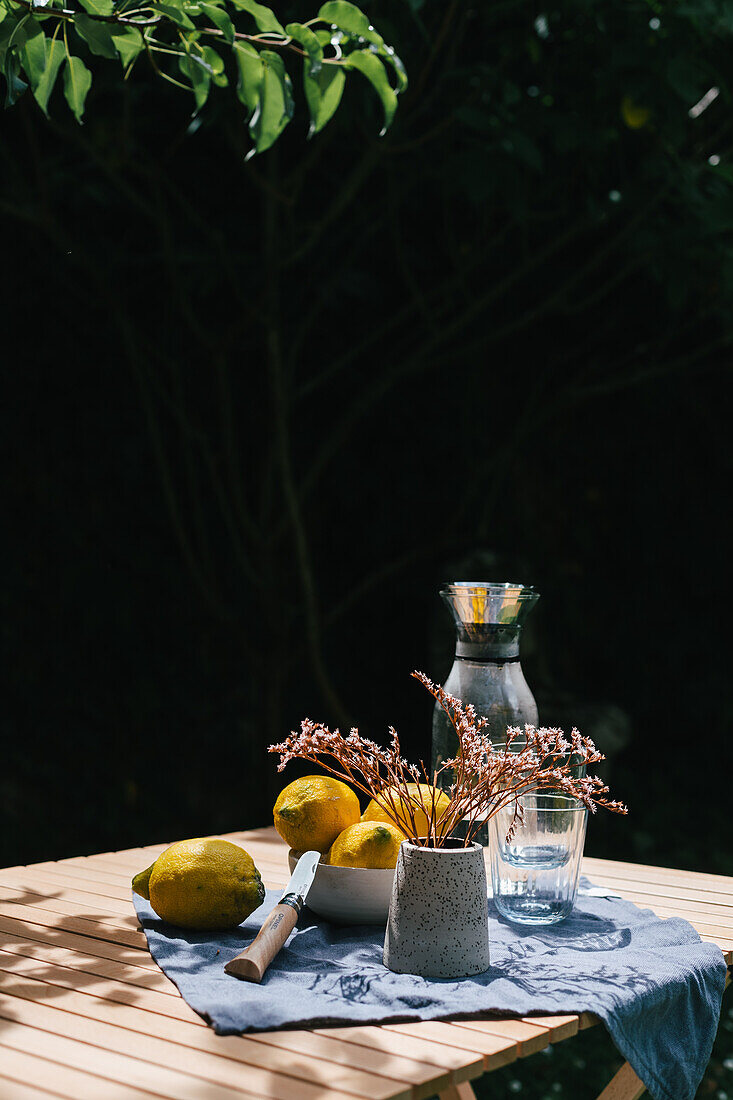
x,y
311,812
374,811
366,844
141,882
203,884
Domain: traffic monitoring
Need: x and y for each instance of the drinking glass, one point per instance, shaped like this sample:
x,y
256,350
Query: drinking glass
x,y
534,875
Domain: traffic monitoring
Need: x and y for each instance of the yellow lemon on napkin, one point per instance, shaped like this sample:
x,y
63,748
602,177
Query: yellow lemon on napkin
x,y
204,884
311,812
418,792
366,844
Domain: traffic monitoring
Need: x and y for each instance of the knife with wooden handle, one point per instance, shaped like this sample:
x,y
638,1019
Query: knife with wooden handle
x,y
252,963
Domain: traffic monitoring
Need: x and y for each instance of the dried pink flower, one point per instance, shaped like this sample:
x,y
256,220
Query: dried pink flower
x,y
480,780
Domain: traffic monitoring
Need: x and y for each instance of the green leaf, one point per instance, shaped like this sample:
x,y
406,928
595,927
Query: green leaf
x,y
350,19
347,17
33,55
220,19
98,7
323,93
265,18
367,63
12,34
251,73
129,44
175,14
310,44
199,73
77,82
98,36
54,56
7,28
216,65
275,108
14,85
390,57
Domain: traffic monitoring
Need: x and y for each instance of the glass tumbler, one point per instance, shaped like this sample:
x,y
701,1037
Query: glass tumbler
x,y
534,876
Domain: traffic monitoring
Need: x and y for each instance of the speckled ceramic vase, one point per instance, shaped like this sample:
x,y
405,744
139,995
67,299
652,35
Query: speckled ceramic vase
x,y
438,924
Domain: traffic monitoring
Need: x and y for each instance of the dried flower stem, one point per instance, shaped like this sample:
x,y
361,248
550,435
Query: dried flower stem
x,y
480,780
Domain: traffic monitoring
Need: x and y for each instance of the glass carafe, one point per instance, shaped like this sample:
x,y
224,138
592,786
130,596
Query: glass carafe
x,y
486,672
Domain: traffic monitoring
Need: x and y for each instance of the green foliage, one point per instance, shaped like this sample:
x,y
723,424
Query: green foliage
x,y
179,39
323,93
275,107
129,43
310,43
54,54
98,36
77,82
373,69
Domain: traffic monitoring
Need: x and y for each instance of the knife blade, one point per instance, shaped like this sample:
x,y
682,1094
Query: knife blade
x,y
252,963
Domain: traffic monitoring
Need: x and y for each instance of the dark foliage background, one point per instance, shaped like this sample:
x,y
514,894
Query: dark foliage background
x,y
255,414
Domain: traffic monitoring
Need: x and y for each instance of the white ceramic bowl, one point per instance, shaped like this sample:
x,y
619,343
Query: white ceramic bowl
x,y
349,895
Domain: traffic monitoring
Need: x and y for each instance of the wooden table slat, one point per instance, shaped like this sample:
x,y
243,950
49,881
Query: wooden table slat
x,y
718,912
128,857
495,1051
84,900
457,1062
66,906
84,926
451,1035
54,1079
560,1027
88,964
424,1077
108,989
58,936
707,899
152,1054
528,1036
639,872
84,869
19,1090
26,875
135,1026
703,922
125,1070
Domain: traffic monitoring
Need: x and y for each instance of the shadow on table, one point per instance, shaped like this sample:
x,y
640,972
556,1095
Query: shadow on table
x,y
42,962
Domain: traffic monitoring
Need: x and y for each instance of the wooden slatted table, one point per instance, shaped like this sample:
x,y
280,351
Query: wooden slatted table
x,y
85,1013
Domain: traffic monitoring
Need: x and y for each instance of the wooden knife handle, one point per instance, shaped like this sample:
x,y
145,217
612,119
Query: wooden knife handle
x,y
252,963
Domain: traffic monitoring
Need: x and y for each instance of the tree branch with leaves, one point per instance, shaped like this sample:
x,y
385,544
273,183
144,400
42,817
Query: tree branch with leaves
x,y
198,46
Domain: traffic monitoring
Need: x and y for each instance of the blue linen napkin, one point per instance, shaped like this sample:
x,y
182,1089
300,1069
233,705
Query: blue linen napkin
x,y
657,987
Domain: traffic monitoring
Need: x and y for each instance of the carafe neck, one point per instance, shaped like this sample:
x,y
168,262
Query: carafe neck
x,y
488,617
493,644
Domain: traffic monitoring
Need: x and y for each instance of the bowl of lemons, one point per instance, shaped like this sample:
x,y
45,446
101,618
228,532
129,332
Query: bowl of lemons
x,y
351,895
353,883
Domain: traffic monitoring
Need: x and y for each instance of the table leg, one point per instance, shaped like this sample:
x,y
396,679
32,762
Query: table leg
x,y
464,1091
624,1086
